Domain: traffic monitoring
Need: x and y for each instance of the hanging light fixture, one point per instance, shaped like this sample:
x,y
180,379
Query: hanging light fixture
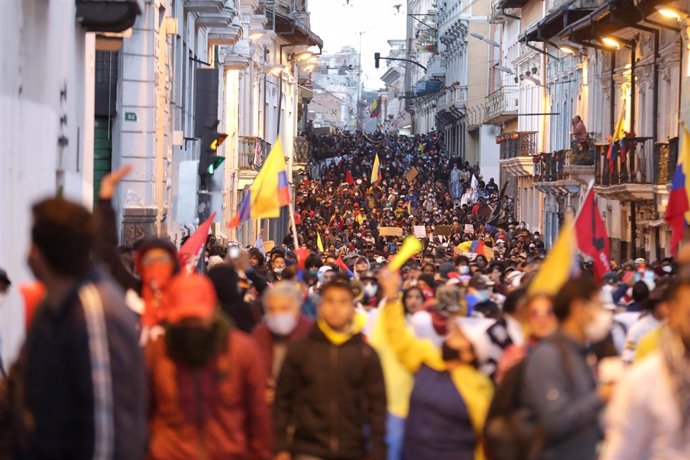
x,y
671,13
611,42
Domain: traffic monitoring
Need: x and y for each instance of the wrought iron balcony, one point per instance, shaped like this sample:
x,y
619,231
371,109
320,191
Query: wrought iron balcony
x,y
517,144
629,166
666,158
502,104
248,153
549,167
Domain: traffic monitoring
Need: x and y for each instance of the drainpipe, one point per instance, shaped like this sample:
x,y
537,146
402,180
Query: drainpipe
x,y
633,207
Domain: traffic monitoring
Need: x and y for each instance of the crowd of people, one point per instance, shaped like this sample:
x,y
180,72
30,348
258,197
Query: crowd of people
x,y
328,351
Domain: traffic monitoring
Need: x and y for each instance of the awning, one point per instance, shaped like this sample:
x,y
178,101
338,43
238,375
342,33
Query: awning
x,y
293,30
554,23
609,18
108,15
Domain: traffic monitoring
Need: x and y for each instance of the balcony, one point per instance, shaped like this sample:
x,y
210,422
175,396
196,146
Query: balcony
x,y
628,178
250,149
450,106
301,150
666,156
204,6
549,167
502,105
517,144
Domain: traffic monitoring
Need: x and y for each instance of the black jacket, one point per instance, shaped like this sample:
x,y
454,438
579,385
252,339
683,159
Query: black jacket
x,y
329,396
77,404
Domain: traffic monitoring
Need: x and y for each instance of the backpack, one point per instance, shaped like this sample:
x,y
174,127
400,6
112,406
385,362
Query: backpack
x,y
511,432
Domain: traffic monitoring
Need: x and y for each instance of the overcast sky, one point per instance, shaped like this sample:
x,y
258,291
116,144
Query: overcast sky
x,y
339,23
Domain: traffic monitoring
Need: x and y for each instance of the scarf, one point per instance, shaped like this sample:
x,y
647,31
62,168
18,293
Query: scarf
x,y
338,338
676,357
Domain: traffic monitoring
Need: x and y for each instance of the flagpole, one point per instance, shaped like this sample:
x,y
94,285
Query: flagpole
x,y
590,186
293,225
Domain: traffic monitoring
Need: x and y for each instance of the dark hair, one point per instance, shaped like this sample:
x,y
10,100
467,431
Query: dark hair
x,y
582,288
676,286
339,281
513,299
407,291
313,261
640,291
63,232
256,254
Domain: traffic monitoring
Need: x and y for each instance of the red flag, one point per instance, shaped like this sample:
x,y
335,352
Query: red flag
x,y
592,237
191,248
348,178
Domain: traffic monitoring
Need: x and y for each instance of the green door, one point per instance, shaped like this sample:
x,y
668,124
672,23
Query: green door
x,y
102,153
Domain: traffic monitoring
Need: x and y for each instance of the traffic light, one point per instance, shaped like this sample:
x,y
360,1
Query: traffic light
x,y
377,59
214,163
219,139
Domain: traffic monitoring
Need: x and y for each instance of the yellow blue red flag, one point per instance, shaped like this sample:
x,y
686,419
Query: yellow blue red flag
x,y
269,192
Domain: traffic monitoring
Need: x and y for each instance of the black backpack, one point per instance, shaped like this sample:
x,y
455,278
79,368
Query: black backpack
x,y
511,432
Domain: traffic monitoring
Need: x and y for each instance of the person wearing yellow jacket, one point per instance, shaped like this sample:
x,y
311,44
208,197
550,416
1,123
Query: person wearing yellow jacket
x,y
450,397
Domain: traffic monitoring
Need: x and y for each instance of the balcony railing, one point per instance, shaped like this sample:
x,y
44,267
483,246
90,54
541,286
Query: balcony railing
x,y
248,154
665,160
301,150
517,144
502,103
549,167
629,165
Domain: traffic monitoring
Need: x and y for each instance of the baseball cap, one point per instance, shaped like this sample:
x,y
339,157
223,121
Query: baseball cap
x,y
191,296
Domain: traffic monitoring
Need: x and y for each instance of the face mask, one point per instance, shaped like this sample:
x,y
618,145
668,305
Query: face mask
x,y
157,274
667,268
191,345
464,269
281,324
598,329
370,290
278,271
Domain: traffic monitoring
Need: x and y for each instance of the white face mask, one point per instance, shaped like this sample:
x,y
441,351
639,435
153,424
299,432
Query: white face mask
x,y
281,323
464,269
277,271
598,329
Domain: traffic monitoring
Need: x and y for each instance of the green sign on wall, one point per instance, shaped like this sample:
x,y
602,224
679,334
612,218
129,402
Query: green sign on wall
x,y
130,116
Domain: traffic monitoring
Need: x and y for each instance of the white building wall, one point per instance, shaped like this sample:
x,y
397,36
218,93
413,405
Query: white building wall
x,y
46,97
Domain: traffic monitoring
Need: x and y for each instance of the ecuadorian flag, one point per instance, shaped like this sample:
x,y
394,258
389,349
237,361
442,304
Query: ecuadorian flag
x,y
560,265
270,190
677,210
376,171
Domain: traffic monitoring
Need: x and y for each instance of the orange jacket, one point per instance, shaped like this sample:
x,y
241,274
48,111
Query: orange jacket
x,y
218,411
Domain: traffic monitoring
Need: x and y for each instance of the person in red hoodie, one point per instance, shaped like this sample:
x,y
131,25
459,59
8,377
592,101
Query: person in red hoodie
x,y
283,324
207,382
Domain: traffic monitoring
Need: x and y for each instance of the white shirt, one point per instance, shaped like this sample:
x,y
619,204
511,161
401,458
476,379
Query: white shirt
x,y
643,420
637,331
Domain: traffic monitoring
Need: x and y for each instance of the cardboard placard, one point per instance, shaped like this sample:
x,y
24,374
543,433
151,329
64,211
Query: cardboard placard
x,y
420,231
444,230
269,245
469,228
411,174
390,231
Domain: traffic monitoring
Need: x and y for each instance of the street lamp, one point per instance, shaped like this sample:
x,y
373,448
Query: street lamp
x,y
502,68
569,50
671,13
486,40
611,42
304,56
